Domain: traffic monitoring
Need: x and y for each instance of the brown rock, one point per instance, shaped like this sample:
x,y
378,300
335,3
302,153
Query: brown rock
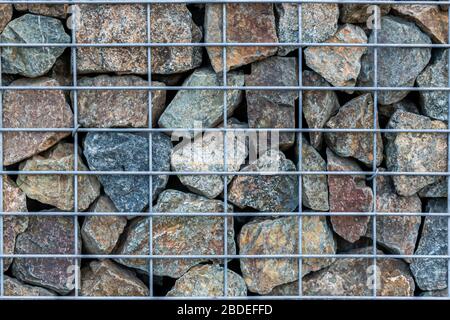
x,y
361,13
245,23
429,18
104,278
100,234
118,108
127,24
15,288
6,13
58,190
33,109
52,10
348,194
14,200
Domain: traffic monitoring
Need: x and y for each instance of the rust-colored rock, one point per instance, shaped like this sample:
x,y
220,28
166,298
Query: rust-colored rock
x,y
15,288
348,194
104,278
6,13
253,23
33,109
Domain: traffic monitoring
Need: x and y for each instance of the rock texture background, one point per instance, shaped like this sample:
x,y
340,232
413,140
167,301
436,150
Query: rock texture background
x,y
190,210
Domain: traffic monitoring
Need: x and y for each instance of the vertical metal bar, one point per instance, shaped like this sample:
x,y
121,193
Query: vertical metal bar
x,y
2,260
374,164
448,161
150,152
225,164
300,153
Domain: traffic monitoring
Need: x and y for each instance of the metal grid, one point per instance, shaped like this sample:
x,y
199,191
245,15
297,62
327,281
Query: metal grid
x,y
76,129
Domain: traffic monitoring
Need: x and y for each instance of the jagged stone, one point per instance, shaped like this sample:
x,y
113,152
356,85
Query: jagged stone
x,y
6,13
15,288
361,13
58,11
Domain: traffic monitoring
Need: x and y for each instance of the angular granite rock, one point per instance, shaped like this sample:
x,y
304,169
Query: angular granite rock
x,y
397,67
340,66
348,194
207,281
58,190
118,108
202,108
246,22
206,153
36,61
104,278
429,18
280,236
14,200
434,104
356,114
58,11
355,277
396,233
314,187
47,235
273,109
128,152
15,288
6,13
415,152
361,13
176,235
266,192
33,109
100,234
431,273
435,190
313,14
126,23
318,106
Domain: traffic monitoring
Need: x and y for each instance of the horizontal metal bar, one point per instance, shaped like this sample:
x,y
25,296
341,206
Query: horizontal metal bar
x,y
226,298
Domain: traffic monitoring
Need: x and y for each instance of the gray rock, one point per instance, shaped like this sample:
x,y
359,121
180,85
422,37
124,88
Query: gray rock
x,y
202,108
430,273
266,192
273,109
15,288
37,61
397,67
128,152
47,235
435,190
435,293
207,281
318,106
176,235
415,152
313,14
280,236
355,114
388,110
434,104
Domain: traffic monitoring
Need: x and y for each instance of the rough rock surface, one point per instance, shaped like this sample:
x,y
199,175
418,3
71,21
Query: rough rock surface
x,y
14,200
104,278
429,18
15,288
435,190
430,273
314,187
340,66
361,13
313,14
207,281
202,108
355,277
434,104
58,190
318,106
253,23
128,152
276,193
37,61
398,67
273,109
415,152
47,235
206,153
33,109
280,236
356,114
176,235
388,110
348,194
57,11
126,23
100,234
6,13
396,233
118,108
